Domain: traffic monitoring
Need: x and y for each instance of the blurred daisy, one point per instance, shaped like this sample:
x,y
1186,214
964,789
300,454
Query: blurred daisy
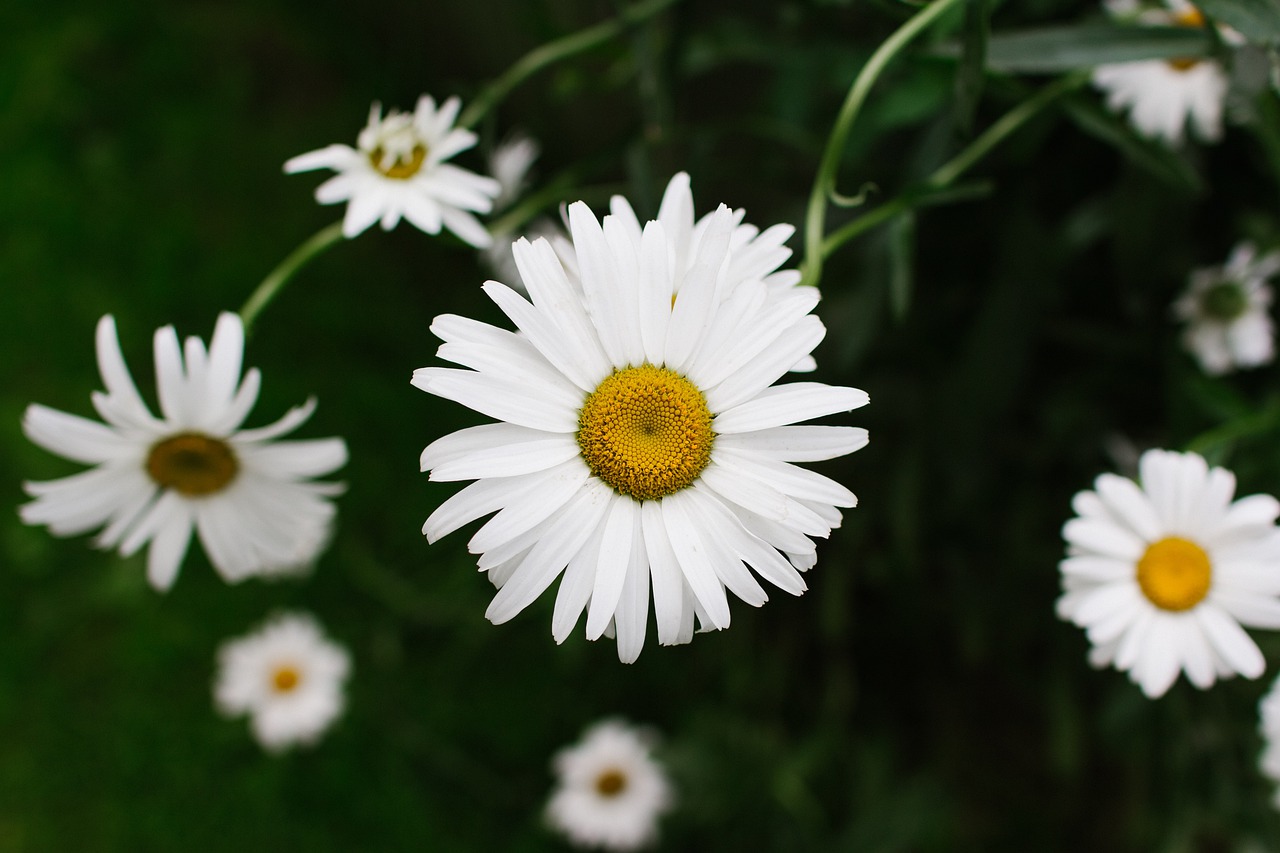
x,y
1162,96
1227,312
1162,575
156,479
1269,725
287,677
510,163
611,792
641,439
398,169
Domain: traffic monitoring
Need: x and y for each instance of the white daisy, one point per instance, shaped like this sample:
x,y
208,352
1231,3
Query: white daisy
x,y
1162,96
1227,312
611,792
1162,575
155,479
287,677
398,169
641,439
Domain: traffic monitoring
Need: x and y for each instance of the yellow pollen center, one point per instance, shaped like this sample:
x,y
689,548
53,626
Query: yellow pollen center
x,y
1175,574
399,168
192,464
646,431
285,679
611,783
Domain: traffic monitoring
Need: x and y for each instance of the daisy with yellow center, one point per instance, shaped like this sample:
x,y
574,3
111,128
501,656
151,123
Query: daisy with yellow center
x,y
641,443
398,169
248,496
611,791
1162,575
287,677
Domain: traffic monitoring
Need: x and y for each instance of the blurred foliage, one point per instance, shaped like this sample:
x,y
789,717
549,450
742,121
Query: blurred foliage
x,y
921,696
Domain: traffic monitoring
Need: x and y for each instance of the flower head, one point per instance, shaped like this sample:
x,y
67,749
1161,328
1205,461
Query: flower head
x,y
156,479
611,792
641,443
398,169
287,677
1163,574
1227,312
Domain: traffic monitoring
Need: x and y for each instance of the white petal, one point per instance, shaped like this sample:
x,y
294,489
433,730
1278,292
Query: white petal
x,y
664,568
498,398
611,570
632,616
789,404
1230,641
797,443
694,559
76,438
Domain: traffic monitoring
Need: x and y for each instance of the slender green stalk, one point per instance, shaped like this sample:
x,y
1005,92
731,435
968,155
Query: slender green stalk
x,y
824,182
279,277
552,52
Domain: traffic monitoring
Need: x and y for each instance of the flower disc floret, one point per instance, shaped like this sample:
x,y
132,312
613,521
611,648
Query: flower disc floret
x,y
192,464
1175,574
646,431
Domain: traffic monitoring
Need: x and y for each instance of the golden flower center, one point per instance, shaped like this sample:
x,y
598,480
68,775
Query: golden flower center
x,y
1175,574
611,783
192,464
399,167
646,431
285,679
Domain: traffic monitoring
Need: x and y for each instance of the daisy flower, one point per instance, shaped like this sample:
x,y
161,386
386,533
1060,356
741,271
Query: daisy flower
x,y
1162,96
154,480
287,677
1163,574
641,443
611,792
398,169
1227,312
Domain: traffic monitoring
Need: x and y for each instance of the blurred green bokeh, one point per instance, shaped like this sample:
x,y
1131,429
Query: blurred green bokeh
x,y
921,696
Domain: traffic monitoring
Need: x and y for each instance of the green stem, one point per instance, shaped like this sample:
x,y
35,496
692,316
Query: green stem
x,y
552,52
824,182
279,277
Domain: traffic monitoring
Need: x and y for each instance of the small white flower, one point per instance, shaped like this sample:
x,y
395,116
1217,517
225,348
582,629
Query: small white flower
x,y
1163,95
1227,312
1162,575
287,677
509,163
611,792
398,169
156,479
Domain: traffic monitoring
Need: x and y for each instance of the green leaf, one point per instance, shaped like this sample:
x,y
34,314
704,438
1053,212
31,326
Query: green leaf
x,y
1055,49
971,72
1257,20
902,249
1093,119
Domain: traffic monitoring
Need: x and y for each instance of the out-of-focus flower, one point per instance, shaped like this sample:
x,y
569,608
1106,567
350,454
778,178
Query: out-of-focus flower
x,y
1227,312
248,495
1269,725
1162,96
287,677
610,792
398,169
641,439
509,163
1163,574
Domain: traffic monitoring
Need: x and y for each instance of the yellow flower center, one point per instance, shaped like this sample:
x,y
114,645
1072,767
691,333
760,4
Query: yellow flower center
x,y
192,464
646,431
285,679
399,167
611,783
1175,574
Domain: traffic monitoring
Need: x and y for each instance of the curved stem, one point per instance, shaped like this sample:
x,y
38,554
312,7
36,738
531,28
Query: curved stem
x,y
552,52
824,182
279,277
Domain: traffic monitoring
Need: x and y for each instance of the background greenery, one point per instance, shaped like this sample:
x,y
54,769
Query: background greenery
x,y
921,696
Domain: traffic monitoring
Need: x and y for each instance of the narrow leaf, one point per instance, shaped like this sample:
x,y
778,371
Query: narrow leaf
x,y
1056,49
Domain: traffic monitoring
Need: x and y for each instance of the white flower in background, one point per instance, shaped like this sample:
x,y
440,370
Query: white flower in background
x,y
641,439
398,169
287,677
156,479
510,163
1162,95
1227,311
1269,725
1162,575
611,792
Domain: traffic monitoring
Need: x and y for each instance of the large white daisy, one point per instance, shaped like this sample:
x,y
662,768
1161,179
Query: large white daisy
x,y
641,441
610,790
1227,311
398,169
156,479
1163,574
287,677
